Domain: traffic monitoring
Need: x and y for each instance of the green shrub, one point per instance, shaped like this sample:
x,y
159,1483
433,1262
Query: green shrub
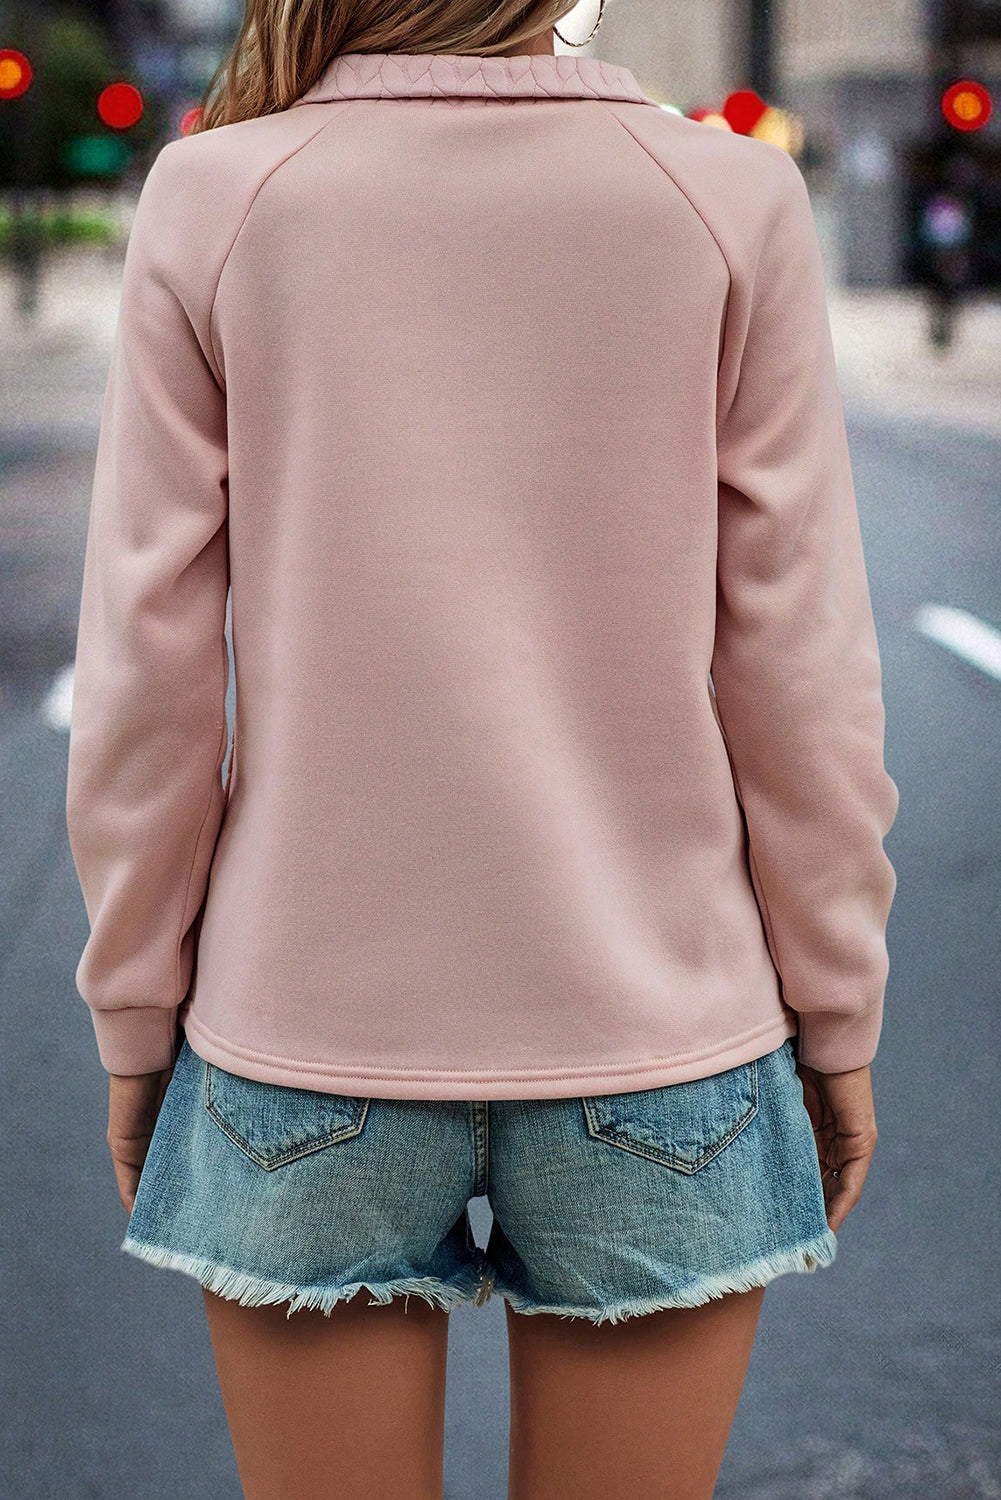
x,y
55,226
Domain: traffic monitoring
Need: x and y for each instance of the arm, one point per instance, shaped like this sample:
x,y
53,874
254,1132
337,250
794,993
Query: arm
x,y
148,732
796,668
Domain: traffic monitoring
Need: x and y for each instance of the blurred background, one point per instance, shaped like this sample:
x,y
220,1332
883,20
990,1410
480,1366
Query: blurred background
x,y
878,1379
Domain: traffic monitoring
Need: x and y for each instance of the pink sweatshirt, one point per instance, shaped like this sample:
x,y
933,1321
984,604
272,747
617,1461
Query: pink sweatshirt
x,y
503,399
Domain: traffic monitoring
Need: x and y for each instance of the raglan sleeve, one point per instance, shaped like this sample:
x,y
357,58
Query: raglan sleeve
x,y
796,671
148,730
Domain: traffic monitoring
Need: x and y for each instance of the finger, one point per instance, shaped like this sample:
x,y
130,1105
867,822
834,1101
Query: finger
x,y
842,1191
838,1207
127,1179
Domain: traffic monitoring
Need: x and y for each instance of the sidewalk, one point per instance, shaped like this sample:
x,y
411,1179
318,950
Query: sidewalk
x,y
887,365
52,373
54,366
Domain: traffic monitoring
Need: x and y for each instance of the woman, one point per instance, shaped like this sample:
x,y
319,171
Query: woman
x,y
550,863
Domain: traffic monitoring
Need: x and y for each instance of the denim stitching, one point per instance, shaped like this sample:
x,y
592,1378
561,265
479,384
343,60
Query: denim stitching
x,y
305,1148
653,1153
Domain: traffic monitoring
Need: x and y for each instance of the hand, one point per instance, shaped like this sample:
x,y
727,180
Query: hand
x,y
133,1106
841,1111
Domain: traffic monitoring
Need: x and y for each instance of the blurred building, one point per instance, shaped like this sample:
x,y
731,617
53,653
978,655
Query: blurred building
x,y
861,77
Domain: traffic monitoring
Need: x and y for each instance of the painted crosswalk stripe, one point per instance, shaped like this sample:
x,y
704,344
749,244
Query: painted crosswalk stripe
x,y
972,639
58,701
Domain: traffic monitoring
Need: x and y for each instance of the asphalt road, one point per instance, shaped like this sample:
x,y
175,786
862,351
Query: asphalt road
x,y
876,1379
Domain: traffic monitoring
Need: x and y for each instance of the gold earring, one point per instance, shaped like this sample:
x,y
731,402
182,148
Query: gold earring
x,y
601,7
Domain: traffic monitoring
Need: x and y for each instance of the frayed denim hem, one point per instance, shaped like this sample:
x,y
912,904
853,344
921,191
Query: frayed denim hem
x,y
254,1291
807,1257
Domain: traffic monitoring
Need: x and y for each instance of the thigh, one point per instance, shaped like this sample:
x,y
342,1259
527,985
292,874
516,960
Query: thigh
x,y
325,1405
295,1209
642,1407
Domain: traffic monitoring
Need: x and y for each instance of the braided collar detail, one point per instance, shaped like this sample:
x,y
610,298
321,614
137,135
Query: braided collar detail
x,y
414,75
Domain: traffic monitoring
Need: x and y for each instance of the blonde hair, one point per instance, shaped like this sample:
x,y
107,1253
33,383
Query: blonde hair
x,y
284,45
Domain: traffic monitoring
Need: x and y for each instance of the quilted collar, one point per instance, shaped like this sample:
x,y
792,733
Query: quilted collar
x,y
414,75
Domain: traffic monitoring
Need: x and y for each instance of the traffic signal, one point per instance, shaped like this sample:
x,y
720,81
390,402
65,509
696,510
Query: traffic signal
x,y
743,111
746,113
119,106
952,198
966,105
68,116
15,73
952,218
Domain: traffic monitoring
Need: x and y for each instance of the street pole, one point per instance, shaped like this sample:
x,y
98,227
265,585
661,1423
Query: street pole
x,y
762,39
950,267
23,142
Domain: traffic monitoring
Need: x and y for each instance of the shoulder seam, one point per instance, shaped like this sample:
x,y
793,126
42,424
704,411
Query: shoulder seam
x,y
699,215
667,173
715,238
300,146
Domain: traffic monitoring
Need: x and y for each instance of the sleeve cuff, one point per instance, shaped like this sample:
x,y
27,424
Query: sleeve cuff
x,y
136,1038
831,1042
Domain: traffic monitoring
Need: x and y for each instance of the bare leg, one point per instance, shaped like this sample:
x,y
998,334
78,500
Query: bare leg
x,y
322,1407
639,1408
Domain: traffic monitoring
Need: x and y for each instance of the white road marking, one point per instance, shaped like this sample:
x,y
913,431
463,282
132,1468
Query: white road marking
x,y
961,632
58,701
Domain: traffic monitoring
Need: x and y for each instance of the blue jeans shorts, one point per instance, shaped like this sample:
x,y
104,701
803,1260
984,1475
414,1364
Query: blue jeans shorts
x,y
605,1207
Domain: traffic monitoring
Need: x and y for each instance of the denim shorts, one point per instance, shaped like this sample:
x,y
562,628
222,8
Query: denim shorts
x,y
605,1207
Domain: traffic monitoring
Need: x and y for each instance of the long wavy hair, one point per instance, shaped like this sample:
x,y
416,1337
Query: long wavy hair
x,y
284,45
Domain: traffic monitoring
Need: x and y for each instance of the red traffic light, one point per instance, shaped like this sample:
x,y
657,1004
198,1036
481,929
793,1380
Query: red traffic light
x,y
743,110
15,73
119,105
966,104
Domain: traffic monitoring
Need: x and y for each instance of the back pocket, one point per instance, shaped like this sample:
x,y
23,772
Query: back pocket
x,y
274,1124
682,1125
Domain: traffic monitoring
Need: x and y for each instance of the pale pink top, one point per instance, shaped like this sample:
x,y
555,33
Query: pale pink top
x,y
503,397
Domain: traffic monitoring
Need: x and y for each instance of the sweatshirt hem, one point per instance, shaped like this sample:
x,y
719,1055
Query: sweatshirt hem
x,y
511,1083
